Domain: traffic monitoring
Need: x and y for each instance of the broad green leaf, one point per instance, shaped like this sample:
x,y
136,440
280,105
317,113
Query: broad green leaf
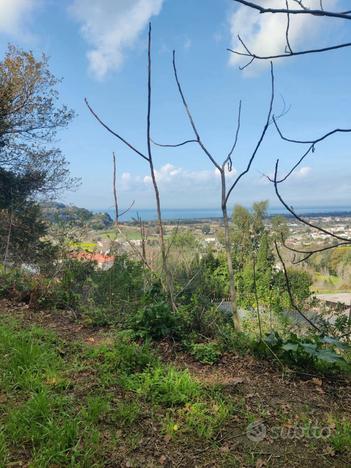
x,y
290,347
335,342
328,356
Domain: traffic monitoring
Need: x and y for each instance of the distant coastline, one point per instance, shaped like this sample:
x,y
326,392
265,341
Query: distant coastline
x,y
204,214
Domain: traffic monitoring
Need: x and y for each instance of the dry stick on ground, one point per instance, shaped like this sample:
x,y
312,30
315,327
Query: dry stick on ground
x,y
226,165
149,158
252,55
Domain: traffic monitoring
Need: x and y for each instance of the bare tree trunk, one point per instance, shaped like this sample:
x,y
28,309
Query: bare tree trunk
x,y
143,237
168,277
115,189
228,250
8,241
148,157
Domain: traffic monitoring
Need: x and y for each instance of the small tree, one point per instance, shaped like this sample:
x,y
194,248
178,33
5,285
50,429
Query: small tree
x,y
29,120
223,168
148,156
29,165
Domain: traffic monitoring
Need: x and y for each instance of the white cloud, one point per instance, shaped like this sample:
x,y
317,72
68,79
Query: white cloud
x,y
111,27
15,14
265,34
187,43
175,179
302,172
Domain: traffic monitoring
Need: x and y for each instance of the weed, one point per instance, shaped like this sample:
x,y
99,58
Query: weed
x,y
206,353
164,385
341,439
96,408
205,418
126,412
124,357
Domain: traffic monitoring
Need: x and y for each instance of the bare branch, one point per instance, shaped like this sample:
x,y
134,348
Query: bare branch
x,y
265,128
289,49
288,287
309,253
174,145
114,133
114,187
332,14
254,56
283,179
229,157
291,210
311,142
127,209
191,120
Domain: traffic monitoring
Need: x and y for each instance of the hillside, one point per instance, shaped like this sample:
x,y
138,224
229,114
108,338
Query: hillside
x,y
80,217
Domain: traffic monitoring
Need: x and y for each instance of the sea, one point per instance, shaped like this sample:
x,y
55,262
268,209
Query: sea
x,y
199,214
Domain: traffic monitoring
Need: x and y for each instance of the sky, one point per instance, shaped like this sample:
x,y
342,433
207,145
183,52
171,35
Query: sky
x,y
99,48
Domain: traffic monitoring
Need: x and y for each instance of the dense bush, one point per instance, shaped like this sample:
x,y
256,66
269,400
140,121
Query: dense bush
x,y
156,321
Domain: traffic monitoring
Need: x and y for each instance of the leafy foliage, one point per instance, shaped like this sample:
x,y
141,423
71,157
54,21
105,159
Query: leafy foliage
x,y
309,350
156,321
206,353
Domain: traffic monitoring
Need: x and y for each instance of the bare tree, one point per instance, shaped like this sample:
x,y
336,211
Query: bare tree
x,y
226,165
148,156
300,9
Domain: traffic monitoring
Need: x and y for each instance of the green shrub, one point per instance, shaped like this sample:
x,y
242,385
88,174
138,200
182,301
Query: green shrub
x,y
206,353
124,357
156,321
16,284
314,351
233,341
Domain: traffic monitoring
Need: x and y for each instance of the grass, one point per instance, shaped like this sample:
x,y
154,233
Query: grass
x,y
3,448
202,420
164,385
28,358
70,403
341,439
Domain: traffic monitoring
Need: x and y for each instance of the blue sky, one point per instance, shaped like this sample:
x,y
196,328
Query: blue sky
x,y
99,48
